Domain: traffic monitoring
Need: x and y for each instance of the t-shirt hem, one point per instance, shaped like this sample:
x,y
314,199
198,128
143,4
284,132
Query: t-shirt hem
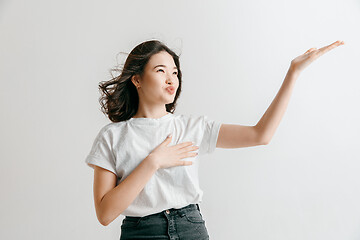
x,y
92,159
214,136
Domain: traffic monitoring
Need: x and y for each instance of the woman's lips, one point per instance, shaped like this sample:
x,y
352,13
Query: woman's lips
x,y
170,90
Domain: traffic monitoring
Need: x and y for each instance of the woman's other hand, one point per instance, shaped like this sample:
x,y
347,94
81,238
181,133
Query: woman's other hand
x,y
165,157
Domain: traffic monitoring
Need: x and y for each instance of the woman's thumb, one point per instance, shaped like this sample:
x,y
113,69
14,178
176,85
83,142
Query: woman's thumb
x,y
168,139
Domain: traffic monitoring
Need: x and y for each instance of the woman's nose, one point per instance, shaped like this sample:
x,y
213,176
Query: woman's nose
x,y
168,80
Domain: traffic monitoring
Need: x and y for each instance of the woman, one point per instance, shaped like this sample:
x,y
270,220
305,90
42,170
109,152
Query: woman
x,y
154,182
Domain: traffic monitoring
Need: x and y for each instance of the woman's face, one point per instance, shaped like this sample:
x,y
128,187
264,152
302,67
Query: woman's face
x,y
160,72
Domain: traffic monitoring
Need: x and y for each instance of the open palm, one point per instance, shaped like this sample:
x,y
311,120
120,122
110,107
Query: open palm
x,y
302,61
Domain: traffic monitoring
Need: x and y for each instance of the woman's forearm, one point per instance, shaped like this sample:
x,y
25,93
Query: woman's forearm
x,y
120,197
273,115
270,121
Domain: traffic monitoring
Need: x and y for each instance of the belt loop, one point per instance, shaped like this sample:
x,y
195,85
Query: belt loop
x,y
181,212
197,205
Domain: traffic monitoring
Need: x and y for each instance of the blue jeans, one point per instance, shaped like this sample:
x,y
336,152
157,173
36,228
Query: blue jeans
x,y
184,223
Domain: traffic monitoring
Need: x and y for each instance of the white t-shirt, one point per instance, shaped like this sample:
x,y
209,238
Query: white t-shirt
x,y
120,147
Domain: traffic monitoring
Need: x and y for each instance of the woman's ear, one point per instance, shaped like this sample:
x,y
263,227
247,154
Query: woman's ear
x,y
135,80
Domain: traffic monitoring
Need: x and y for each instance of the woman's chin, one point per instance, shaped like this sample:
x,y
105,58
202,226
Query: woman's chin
x,y
169,101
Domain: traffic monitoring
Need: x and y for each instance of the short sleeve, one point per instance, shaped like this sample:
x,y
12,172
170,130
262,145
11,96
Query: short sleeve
x,y
101,153
210,130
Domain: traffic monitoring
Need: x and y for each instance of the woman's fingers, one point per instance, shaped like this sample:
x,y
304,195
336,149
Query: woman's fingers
x,y
310,50
302,61
184,163
187,149
183,145
188,154
327,48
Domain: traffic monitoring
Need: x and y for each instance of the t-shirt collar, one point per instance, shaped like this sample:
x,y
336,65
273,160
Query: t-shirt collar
x,y
150,121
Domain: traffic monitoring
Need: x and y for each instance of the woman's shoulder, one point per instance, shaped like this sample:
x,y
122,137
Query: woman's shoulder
x,y
112,127
192,117
187,115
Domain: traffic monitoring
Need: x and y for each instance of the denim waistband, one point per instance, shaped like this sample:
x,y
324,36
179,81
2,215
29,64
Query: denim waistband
x,y
171,211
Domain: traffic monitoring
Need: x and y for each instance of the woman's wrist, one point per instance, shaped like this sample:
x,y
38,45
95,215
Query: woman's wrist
x,y
151,161
294,70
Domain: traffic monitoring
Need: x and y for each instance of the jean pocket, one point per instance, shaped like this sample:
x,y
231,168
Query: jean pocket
x,y
194,216
130,222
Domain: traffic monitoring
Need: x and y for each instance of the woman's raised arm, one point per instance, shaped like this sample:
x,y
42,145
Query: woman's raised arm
x,y
236,136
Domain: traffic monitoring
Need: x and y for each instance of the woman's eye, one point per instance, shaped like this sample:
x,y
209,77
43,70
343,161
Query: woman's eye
x,y
163,70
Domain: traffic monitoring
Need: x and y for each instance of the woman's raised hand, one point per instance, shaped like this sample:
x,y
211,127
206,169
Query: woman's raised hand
x,y
164,157
299,63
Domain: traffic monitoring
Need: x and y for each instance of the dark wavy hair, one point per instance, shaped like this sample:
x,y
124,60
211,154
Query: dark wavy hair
x,y
119,98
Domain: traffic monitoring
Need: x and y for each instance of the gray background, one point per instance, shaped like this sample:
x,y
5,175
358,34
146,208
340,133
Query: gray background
x,y
234,57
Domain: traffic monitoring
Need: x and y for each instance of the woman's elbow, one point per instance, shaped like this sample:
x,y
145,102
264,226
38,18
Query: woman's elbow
x,y
105,219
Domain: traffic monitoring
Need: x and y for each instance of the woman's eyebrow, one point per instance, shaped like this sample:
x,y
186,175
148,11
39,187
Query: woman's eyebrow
x,y
162,66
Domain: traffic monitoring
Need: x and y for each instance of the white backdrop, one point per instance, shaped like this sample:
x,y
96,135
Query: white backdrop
x,y
234,57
